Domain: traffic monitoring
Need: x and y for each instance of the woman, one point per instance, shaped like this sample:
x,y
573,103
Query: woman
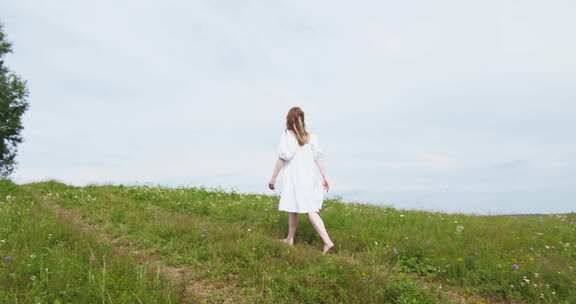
x,y
303,177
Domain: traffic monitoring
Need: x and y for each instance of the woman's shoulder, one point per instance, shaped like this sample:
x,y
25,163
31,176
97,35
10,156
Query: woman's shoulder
x,y
312,136
288,135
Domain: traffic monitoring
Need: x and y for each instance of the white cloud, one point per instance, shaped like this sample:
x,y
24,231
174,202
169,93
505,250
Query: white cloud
x,y
406,97
437,160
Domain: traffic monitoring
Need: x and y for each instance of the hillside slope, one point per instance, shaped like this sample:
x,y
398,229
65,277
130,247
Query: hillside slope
x,y
188,244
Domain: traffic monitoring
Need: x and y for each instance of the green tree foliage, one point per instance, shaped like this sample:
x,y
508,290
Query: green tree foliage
x,y
13,104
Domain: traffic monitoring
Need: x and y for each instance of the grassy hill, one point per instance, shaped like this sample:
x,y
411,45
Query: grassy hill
x,y
136,244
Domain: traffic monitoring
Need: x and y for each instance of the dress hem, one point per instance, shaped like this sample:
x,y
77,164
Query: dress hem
x,y
299,211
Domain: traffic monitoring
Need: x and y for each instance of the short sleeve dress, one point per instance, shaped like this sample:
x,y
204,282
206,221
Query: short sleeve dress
x,y
302,190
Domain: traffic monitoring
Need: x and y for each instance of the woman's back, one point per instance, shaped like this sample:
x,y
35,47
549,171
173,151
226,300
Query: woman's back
x,y
289,148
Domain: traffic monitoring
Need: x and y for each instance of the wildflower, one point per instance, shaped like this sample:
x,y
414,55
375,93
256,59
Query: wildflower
x,y
249,229
525,279
33,278
402,215
459,228
515,266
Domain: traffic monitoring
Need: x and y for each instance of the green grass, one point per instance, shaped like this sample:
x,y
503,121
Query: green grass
x,y
45,260
227,239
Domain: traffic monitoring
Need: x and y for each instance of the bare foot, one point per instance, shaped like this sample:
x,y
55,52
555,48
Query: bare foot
x,y
327,248
289,242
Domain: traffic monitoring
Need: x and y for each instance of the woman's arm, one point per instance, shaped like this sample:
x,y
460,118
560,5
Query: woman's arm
x,y
277,168
320,165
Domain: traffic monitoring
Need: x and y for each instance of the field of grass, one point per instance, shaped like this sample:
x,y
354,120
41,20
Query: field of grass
x,y
46,260
117,244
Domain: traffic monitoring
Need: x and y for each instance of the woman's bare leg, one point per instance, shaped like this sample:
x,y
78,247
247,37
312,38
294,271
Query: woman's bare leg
x,y
318,224
292,225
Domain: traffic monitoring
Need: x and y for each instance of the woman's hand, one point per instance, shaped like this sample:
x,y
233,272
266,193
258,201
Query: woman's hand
x,y
325,184
277,168
272,183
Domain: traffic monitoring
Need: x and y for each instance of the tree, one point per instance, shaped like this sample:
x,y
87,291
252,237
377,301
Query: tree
x,y
13,104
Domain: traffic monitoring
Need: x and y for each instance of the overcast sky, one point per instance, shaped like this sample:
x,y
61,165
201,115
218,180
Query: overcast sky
x,y
439,105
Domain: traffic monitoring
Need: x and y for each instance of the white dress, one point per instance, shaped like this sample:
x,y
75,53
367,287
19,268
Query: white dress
x,y
302,190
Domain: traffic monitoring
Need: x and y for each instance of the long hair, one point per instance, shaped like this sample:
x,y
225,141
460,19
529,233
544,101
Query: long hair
x,y
295,123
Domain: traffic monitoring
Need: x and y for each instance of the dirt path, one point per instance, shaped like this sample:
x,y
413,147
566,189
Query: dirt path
x,y
194,291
